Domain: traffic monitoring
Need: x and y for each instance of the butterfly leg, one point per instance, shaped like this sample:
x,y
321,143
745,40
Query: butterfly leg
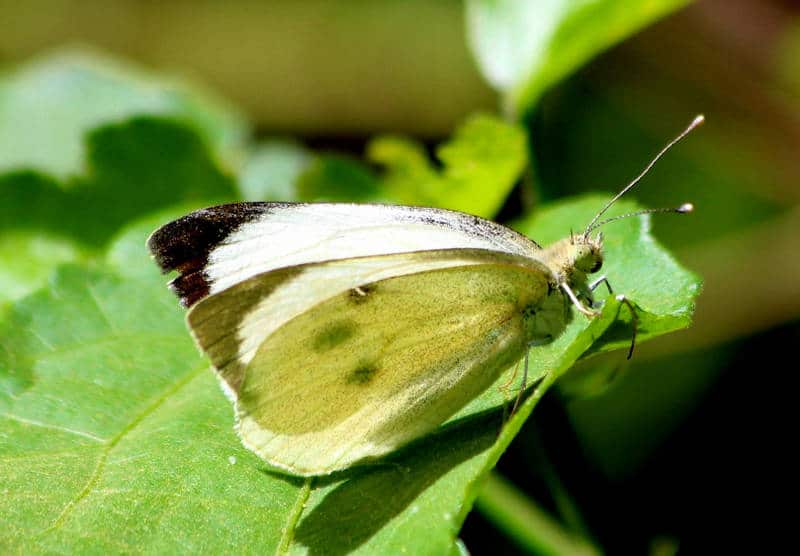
x,y
524,382
504,389
601,280
504,386
621,298
577,302
634,321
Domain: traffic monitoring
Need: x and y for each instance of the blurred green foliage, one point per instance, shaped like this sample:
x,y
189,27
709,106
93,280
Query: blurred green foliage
x,y
525,47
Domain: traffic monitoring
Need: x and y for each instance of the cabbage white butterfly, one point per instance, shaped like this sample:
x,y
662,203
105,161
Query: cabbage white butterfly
x,y
344,331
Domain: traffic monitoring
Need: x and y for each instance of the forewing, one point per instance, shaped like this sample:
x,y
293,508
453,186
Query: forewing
x,y
370,369
218,247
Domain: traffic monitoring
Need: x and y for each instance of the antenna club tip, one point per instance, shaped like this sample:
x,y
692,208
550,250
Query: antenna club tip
x,y
699,119
685,207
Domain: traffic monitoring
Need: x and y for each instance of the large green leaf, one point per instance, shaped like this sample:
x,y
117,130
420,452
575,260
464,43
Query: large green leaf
x,y
523,48
114,435
49,105
86,145
28,258
133,168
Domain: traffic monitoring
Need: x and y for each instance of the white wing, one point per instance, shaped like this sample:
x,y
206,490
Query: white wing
x,y
231,326
322,381
218,247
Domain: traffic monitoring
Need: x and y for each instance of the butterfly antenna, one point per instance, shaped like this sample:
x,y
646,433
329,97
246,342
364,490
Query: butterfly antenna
x,y
696,122
683,209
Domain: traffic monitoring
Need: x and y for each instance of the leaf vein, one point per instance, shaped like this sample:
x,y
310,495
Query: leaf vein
x,y
35,423
66,349
100,309
287,534
101,462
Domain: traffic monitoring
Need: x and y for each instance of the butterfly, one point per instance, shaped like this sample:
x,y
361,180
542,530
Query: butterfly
x,y
342,332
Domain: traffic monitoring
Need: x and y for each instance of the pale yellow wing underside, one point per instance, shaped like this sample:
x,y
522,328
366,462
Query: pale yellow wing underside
x,y
371,369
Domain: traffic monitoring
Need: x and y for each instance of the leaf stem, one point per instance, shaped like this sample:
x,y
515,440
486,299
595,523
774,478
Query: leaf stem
x,y
287,535
525,523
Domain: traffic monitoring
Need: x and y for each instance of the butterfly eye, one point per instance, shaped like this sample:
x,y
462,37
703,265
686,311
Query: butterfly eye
x,y
598,264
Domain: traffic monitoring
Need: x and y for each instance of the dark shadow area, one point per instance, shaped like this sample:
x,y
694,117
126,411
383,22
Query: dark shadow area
x,y
353,512
715,485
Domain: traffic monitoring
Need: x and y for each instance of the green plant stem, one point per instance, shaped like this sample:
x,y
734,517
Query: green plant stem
x,y
524,522
565,505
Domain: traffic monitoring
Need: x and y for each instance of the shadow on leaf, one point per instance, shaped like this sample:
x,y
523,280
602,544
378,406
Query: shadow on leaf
x,y
362,505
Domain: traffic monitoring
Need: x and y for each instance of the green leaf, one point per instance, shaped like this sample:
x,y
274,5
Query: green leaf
x,y
480,165
409,177
272,170
48,106
79,158
114,435
531,527
281,170
523,48
27,259
332,177
636,266
133,168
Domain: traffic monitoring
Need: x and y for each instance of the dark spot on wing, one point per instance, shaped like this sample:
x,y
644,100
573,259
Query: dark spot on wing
x,y
529,311
361,375
334,334
360,294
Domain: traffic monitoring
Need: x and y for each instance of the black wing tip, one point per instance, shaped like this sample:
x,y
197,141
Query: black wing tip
x,y
185,244
190,288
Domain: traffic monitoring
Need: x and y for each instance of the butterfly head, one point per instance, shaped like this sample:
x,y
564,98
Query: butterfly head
x,y
572,258
587,253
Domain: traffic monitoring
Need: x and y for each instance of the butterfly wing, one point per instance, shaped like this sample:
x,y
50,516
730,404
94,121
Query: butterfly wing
x,y
218,247
361,372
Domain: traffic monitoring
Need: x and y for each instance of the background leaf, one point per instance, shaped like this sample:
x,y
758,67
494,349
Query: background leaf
x,y
331,177
480,166
80,157
523,48
272,170
474,170
48,106
134,167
